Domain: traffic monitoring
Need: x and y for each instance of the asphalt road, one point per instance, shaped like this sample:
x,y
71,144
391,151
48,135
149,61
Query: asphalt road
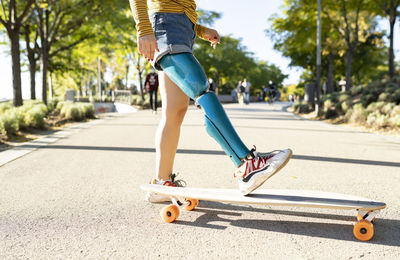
x,y
79,197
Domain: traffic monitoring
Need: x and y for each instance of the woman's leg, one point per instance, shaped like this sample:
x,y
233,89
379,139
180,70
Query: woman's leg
x,y
174,107
151,99
187,73
155,100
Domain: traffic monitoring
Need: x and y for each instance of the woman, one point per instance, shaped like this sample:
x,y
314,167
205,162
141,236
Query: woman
x,y
166,38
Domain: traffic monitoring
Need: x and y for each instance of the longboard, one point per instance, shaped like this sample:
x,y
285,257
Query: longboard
x,y
189,198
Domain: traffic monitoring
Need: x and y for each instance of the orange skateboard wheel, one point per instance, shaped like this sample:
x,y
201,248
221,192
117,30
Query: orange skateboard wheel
x,y
192,204
170,213
363,230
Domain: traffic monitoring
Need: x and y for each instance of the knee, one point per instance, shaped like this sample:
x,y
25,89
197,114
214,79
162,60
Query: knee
x,y
174,115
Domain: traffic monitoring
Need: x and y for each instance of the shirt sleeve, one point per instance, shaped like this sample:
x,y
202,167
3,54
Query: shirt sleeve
x,y
141,16
200,31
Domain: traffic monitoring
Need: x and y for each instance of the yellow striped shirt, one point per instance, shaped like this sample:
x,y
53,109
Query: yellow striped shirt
x,y
141,16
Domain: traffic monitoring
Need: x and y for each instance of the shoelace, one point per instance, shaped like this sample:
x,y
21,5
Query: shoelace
x,y
255,158
178,183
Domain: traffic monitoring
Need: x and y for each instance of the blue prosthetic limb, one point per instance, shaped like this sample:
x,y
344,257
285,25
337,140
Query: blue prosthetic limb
x,y
220,128
187,73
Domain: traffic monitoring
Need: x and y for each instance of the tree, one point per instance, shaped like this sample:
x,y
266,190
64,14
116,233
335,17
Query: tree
x,y
346,26
62,25
17,15
230,62
389,9
31,35
353,24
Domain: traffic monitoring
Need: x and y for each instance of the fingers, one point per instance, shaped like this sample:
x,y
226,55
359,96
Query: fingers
x,y
147,45
213,37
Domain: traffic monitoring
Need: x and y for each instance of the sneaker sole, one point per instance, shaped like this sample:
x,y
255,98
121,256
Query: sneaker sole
x,y
263,181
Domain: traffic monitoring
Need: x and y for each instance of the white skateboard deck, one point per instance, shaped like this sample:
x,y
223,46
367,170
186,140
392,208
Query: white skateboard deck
x,y
189,198
273,197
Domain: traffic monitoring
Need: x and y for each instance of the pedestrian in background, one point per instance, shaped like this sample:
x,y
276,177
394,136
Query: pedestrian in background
x,y
234,95
212,85
151,84
246,86
240,90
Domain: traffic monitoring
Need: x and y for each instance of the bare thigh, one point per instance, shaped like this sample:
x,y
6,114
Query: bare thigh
x,y
174,101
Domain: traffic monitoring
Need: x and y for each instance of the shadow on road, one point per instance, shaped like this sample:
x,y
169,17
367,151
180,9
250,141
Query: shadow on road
x,y
211,152
385,233
247,126
280,118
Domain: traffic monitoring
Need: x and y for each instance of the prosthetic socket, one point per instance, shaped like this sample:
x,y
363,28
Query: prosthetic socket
x,y
187,73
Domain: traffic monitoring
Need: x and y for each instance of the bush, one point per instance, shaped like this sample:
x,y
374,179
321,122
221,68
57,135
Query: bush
x,y
391,87
377,120
368,99
329,104
384,96
135,100
331,113
71,112
76,111
376,106
302,107
3,132
34,117
343,97
52,104
395,111
357,90
357,115
10,121
86,109
395,120
387,108
61,104
345,106
5,106
395,97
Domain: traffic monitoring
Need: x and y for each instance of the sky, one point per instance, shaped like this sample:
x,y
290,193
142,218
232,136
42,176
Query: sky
x,y
240,19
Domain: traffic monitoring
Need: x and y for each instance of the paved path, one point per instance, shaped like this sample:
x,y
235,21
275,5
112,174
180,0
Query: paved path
x,y
79,197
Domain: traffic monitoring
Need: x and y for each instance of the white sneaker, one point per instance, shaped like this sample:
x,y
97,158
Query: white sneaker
x,y
157,198
259,168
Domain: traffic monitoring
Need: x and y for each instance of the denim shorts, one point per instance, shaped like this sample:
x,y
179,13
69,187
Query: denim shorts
x,y
174,34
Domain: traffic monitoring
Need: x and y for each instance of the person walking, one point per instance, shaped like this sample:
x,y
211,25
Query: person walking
x,y
166,38
151,84
247,86
240,92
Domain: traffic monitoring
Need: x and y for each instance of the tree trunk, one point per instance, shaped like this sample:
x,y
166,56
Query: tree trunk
x,y
32,62
330,82
391,52
141,84
349,61
44,66
44,54
16,66
126,76
32,72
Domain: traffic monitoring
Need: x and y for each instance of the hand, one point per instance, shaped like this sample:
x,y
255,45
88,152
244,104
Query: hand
x,y
212,36
147,44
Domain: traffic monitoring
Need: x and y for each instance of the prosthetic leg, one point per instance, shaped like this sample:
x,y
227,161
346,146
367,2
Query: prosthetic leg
x,y
187,73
